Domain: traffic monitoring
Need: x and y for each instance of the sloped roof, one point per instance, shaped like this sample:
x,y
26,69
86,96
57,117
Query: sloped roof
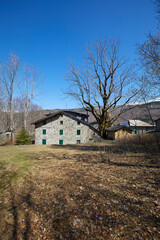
x,y
68,111
57,113
68,114
138,123
117,128
2,131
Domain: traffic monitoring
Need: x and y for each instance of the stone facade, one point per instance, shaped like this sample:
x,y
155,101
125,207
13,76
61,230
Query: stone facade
x,y
62,129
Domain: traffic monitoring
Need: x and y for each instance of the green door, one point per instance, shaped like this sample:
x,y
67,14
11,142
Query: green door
x,y
43,141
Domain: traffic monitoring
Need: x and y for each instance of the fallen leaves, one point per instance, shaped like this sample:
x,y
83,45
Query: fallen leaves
x,y
71,195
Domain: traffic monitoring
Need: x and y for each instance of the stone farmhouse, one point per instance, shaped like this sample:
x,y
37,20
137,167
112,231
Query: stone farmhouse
x,y
65,127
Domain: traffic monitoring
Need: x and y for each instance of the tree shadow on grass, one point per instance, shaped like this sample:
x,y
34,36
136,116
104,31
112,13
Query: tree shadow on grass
x,y
115,148
15,226
122,164
79,209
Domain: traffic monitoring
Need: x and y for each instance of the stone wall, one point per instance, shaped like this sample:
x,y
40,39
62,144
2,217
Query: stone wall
x,y
69,127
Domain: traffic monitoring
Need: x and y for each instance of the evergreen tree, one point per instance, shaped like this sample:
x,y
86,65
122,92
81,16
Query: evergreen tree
x,y
23,137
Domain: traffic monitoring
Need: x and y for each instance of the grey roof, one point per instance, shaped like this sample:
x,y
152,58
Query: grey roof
x,y
58,112
138,123
2,131
67,113
117,128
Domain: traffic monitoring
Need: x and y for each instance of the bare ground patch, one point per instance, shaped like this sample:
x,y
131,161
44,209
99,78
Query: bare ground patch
x,y
83,192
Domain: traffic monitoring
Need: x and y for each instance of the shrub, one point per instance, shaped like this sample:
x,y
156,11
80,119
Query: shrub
x,y
23,137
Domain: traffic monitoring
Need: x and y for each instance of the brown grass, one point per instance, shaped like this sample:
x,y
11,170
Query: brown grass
x,y
142,139
101,191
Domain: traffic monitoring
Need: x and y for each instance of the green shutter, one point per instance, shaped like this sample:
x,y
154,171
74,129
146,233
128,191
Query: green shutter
x,y
61,132
61,142
43,141
136,131
44,131
78,132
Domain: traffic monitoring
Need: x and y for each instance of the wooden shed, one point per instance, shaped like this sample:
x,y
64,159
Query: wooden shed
x,y
118,132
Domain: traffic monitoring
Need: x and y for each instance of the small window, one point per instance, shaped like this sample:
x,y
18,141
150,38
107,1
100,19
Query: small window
x,y
78,132
60,132
61,122
44,141
78,141
60,142
147,129
136,131
44,122
44,131
78,123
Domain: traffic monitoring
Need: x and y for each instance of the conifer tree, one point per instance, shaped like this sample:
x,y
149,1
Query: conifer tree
x,y
23,137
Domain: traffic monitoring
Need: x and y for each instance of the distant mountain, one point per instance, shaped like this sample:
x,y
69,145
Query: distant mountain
x,y
141,111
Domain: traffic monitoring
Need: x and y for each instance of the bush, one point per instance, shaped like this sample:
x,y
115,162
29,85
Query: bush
x,y
23,137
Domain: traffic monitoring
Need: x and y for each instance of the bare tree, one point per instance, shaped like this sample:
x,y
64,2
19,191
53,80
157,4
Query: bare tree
x,y
8,74
1,96
102,83
149,57
29,89
157,6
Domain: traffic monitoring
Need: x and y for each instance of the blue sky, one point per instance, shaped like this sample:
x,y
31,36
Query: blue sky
x,y
46,33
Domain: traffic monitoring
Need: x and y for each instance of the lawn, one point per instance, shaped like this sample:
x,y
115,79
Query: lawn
x,y
102,191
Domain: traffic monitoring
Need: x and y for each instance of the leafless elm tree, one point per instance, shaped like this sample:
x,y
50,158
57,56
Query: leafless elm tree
x,y
104,82
8,78
29,88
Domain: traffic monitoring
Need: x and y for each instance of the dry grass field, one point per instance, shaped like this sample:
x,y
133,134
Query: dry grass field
x,y
103,191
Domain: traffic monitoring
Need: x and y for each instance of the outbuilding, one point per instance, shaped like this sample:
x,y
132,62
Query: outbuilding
x,y
118,132
5,134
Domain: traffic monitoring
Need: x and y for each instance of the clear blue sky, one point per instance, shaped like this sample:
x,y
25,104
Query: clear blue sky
x,y
45,33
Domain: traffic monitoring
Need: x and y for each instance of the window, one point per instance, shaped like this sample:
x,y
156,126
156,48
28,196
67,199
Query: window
x,y
60,142
78,141
78,132
147,129
61,122
43,141
136,131
60,132
78,123
44,131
